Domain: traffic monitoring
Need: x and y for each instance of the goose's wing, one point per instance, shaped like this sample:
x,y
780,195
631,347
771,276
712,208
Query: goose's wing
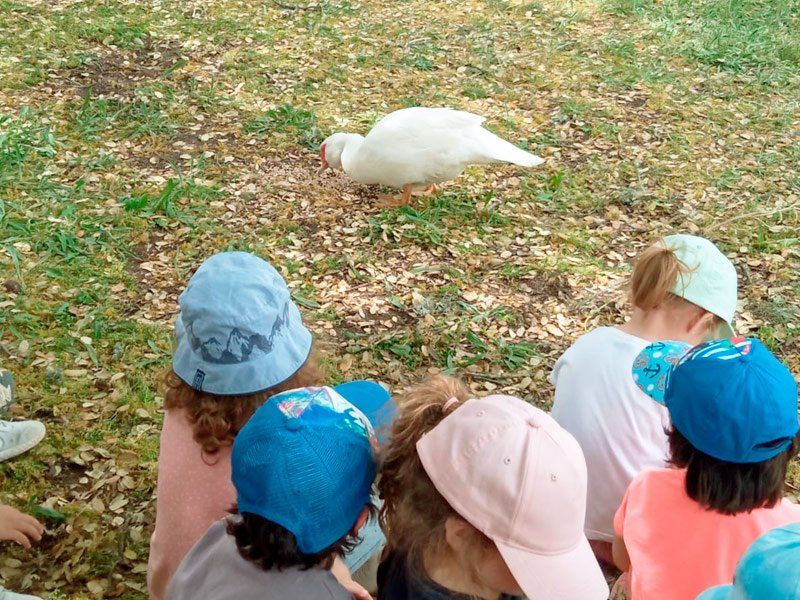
x,y
422,145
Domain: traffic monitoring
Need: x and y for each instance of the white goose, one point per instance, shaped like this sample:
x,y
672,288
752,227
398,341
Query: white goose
x,y
418,147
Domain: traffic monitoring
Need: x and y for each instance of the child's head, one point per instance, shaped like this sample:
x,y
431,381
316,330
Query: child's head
x,y
733,408
303,469
689,277
769,569
493,486
240,340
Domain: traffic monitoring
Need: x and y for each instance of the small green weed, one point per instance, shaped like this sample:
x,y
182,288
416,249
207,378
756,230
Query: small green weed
x,y
21,136
165,203
302,124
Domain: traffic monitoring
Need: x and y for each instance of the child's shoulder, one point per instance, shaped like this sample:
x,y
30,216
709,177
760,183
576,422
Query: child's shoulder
x,y
607,335
658,480
608,342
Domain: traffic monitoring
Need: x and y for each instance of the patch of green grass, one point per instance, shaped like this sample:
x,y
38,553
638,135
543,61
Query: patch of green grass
x,y
300,123
429,224
21,136
515,356
405,347
95,116
166,202
475,92
760,37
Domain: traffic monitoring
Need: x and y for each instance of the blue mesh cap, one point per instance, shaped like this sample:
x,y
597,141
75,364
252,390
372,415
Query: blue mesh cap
x,y
305,461
238,332
769,569
731,398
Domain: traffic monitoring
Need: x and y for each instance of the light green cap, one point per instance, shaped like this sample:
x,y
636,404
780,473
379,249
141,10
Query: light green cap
x,y
710,282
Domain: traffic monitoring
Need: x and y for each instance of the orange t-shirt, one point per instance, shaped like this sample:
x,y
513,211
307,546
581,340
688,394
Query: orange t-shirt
x,y
679,549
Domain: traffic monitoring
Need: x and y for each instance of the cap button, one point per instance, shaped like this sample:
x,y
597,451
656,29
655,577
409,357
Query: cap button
x,y
534,422
293,424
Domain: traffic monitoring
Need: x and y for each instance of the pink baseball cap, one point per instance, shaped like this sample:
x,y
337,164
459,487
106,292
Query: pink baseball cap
x,y
515,475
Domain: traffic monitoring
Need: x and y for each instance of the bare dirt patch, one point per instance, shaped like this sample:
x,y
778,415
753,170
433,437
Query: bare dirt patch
x,y
118,73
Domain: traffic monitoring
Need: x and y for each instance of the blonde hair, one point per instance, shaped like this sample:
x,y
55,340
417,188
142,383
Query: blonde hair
x,y
414,514
655,275
216,419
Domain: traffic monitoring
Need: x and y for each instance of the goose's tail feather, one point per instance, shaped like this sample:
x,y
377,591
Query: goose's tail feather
x,y
499,150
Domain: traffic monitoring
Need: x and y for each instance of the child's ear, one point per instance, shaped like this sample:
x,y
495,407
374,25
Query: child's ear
x,y
456,532
702,323
361,521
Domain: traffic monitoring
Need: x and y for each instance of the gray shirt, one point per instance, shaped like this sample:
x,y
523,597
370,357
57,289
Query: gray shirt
x,y
213,570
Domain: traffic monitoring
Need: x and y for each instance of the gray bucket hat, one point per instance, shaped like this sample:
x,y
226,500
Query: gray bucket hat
x,y
238,330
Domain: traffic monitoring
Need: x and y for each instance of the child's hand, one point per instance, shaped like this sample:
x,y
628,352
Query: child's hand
x,y
358,591
344,578
19,527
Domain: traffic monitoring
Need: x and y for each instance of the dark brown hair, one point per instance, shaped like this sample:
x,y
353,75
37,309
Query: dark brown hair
x,y
414,513
216,419
271,546
726,487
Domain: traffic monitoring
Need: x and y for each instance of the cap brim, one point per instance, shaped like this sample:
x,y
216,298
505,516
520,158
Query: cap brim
x,y
374,401
573,575
650,369
725,330
718,592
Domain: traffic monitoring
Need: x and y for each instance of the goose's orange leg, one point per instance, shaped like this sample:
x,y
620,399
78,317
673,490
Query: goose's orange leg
x,y
394,201
427,191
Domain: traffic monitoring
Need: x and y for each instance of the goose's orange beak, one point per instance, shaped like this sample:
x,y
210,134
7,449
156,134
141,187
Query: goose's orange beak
x,y
325,164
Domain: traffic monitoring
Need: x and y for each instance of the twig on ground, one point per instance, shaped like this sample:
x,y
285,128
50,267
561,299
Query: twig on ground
x,y
754,215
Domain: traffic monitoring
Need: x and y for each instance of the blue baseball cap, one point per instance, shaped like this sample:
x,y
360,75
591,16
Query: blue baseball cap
x,y
731,398
238,332
305,460
770,569
374,401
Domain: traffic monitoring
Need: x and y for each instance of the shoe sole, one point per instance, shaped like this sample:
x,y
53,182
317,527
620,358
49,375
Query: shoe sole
x,y
23,448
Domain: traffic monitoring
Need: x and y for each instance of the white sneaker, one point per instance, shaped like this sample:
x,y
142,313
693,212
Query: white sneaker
x,y
6,391
6,595
17,437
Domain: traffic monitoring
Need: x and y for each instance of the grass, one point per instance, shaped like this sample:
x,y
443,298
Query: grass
x,y
137,140
302,124
741,36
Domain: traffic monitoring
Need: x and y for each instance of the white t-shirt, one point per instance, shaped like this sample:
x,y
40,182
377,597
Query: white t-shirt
x,y
619,427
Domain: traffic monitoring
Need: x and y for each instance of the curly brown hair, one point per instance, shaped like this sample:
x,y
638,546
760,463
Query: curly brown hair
x,y
217,419
414,513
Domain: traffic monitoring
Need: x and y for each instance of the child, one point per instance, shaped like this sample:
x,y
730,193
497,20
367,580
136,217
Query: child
x,y
16,437
769,569
482,499
240,340
733,408
303,470
683,288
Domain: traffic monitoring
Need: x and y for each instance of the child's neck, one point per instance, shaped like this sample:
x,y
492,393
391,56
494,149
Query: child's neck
x,y
448,573
656,324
